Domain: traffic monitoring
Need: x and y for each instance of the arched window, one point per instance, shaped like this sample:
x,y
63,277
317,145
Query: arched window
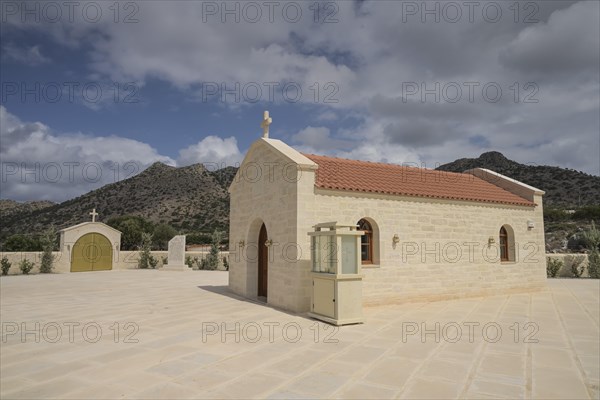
x,y
366,242
504,255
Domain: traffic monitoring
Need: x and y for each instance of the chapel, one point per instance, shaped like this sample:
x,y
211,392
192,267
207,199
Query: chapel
x,y
424,234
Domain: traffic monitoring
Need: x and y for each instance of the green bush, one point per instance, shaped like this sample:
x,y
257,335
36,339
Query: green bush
x,y
575,264
21,243
146,260
594,264
588,213
132,227
555,215
26,266
161,236
553,265
197,238
211,261
5,265
592,241
189,261
47,241
225,264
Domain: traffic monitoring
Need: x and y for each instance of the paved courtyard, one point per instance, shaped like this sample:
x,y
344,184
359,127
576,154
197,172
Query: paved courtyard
x,y
152,334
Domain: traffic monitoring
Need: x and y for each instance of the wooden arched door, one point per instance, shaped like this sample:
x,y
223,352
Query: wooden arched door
x,y
91,252
263,262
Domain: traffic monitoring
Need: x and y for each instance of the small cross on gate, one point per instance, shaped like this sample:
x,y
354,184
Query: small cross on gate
x,y
265,124
94,214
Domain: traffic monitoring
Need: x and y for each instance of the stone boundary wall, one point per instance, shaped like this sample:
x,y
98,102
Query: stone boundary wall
x,y
126,260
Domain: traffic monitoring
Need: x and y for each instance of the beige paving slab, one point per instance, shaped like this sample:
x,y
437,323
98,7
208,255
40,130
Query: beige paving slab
x,y
361,390
558,384
393,372
496,389
172,359
421,388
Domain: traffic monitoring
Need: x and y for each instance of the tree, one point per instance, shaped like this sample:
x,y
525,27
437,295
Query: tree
x,y
161,236
211,261
592,241
146,260
197,238
47,241
21,243
131,227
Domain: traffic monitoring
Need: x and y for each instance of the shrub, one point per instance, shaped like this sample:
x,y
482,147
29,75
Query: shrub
x,y
592,241
47,241
225,264
146,260
553,265
575,264
594,264
189,261
5,265
211,261
555,215
587,213
21,243
26,266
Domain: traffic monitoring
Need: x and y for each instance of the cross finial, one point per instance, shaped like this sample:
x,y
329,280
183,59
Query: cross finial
x,y
265,124
94,214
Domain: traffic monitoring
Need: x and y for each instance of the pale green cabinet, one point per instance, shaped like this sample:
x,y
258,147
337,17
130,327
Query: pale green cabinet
x,y
336,276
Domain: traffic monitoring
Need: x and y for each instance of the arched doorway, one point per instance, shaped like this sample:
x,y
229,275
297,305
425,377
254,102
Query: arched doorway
x,y
263,262
92,252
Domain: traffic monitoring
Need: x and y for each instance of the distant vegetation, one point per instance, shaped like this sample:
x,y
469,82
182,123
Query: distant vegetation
x,y
571,201
134,229
565,188
164,201
565,228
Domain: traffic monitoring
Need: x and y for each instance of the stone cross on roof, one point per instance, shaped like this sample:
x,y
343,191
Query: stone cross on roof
x,y
265,124
94,214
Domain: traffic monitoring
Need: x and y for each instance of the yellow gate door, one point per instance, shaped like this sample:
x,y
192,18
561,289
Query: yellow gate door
x,y
92,252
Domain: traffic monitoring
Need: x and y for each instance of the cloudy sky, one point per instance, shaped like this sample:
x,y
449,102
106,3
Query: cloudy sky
x,y
92,92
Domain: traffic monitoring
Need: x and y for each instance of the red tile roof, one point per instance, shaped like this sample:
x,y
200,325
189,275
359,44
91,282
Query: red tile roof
x,y
370,177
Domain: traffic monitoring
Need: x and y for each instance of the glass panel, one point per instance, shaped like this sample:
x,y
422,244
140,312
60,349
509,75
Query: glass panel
x,y
349,255
330,253
323,254
315,253
365,247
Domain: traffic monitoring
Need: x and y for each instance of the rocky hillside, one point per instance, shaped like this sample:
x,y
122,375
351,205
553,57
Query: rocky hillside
x,y
188,198
11,207
565,188
194,199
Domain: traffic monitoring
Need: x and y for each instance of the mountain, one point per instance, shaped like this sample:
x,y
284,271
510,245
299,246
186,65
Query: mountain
x,y
194,199
188,198
11,207
565,188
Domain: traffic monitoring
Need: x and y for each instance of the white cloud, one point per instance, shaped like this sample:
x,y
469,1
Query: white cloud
x,y
31,56
212,151
369,53
38,164
568,42
327,116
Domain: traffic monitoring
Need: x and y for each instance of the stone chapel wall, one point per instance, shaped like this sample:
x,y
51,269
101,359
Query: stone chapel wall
x,y
426,263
